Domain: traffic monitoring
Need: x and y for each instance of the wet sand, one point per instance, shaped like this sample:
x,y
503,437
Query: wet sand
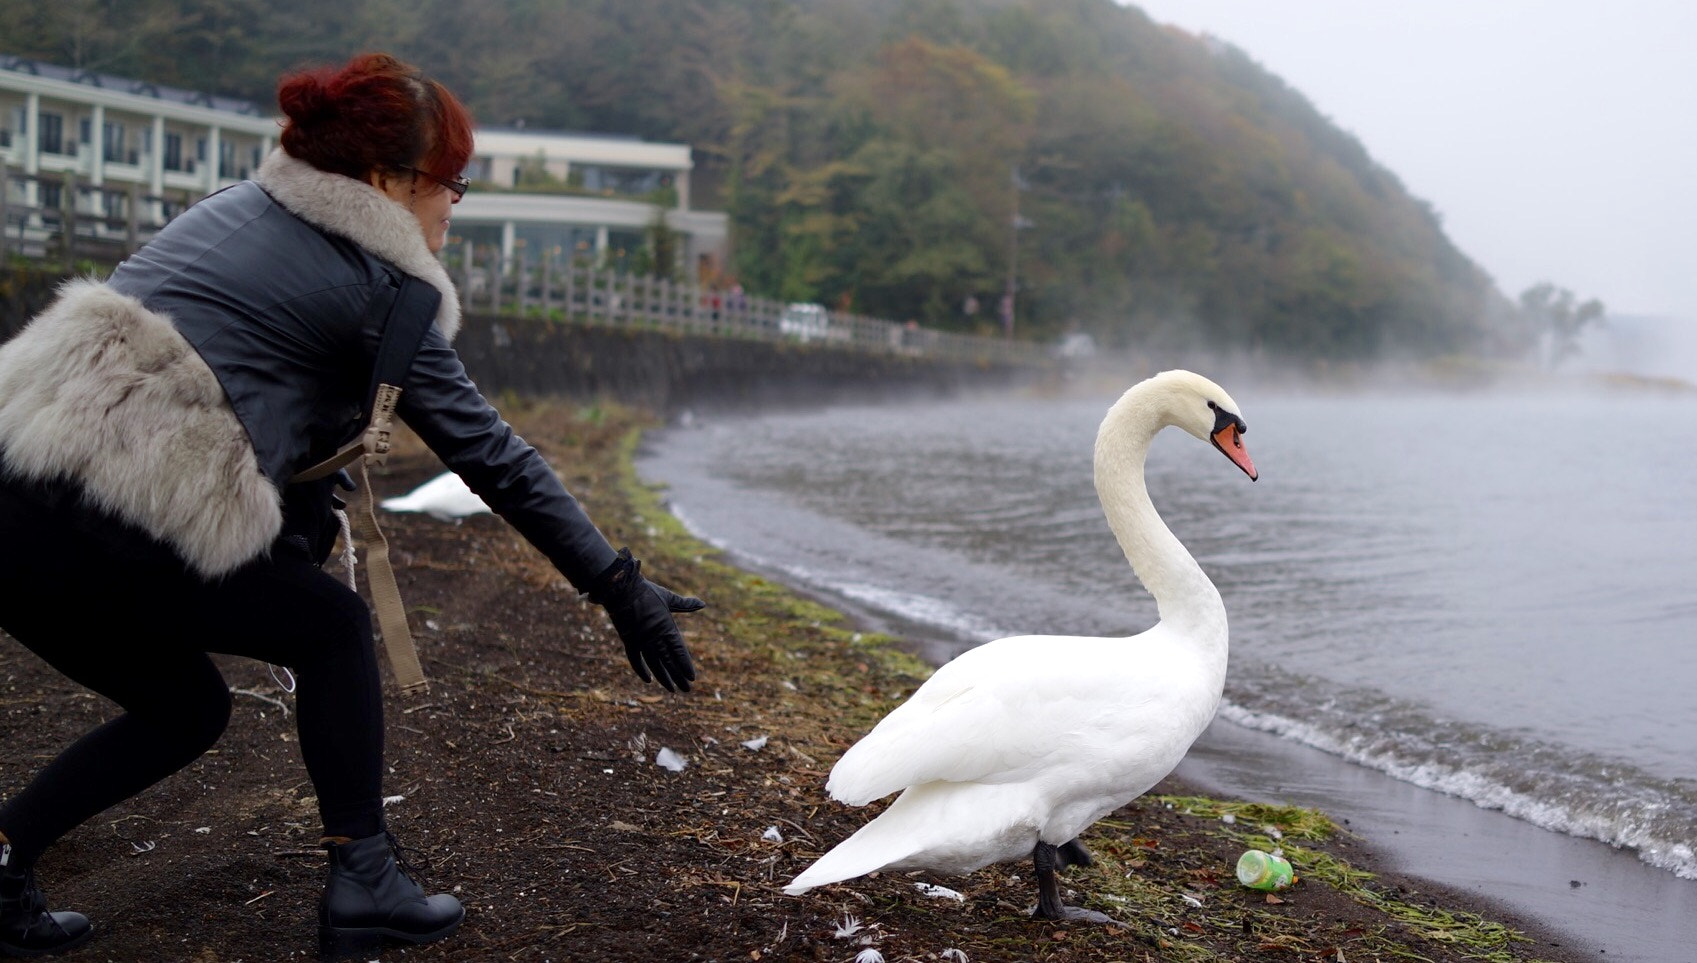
x,y
1606,900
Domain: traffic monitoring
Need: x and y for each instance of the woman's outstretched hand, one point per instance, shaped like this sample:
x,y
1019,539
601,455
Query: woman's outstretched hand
x,y
642,614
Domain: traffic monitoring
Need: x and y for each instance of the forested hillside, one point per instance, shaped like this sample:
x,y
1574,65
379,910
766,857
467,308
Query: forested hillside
x,y
877,155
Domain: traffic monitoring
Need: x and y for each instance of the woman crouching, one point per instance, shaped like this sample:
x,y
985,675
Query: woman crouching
x,y
149,429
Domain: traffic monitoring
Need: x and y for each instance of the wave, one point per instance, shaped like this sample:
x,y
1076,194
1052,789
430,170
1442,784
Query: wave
x,y
1557,788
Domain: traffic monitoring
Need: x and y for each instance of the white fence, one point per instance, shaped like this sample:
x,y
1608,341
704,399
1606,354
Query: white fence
x,y
79,221
551,289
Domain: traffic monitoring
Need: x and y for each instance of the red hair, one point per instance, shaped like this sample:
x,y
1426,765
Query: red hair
x,y
374,113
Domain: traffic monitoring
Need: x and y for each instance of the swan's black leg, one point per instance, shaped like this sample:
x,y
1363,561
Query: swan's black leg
x,y
1049,904
1072,853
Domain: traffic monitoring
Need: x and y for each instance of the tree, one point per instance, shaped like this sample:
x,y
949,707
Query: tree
x,y
921,218
1556,321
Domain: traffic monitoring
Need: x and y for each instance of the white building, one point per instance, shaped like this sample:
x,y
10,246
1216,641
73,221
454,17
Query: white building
x,y
134,151
588,197
134,154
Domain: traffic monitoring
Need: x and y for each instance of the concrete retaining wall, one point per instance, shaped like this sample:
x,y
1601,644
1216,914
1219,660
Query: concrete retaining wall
x,y
669,372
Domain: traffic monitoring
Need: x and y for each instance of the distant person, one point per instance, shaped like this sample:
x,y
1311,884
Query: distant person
x,y
149,426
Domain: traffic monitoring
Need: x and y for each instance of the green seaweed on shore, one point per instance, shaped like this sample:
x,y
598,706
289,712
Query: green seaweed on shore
x,y
1481,938
1133,882
1293,822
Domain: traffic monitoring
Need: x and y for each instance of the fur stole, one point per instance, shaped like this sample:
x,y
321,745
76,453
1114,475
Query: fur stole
x,y
362,214
101,391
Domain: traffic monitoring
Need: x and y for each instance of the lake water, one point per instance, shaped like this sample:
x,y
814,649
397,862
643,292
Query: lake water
x,y
1493,596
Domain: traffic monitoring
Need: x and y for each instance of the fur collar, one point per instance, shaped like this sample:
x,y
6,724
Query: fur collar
x,y
361,213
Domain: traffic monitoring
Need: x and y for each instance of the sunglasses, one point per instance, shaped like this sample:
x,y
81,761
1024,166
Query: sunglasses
x,y
459,185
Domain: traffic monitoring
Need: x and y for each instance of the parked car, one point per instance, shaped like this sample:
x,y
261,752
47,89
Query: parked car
x,y
804,322
1075,345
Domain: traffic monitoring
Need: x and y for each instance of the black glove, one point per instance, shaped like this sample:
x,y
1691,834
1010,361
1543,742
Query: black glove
x,y
642,613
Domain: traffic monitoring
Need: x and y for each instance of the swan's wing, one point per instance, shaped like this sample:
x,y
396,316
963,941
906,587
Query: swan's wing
x,y
995,713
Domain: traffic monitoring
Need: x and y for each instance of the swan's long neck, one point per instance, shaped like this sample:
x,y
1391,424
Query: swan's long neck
x,y
1186,599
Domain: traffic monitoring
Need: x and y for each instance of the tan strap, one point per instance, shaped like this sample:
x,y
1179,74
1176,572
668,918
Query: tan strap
x,y
343,457
385,594
378,434
374,444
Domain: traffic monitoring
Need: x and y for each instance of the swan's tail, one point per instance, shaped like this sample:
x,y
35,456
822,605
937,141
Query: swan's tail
x,y
950,828
873,847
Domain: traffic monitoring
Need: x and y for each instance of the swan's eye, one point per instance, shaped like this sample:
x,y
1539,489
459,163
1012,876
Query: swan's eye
x,y
1212,406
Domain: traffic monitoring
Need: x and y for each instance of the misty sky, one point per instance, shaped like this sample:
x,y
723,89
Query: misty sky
x,y
1557,138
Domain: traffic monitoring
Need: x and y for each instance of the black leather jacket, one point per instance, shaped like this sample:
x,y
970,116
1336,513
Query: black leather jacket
x,y
288,316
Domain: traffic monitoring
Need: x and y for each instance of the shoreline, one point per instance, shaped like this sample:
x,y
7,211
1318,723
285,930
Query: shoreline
x,y
1603,900
1579,893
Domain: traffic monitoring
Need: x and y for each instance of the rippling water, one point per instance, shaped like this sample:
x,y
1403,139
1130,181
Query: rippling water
x,y
1494,596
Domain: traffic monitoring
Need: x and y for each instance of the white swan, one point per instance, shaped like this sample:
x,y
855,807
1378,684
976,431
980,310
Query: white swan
x,y
1015,747
445,498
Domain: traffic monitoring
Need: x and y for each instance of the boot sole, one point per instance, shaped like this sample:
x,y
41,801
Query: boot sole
x,y
336,941
65,947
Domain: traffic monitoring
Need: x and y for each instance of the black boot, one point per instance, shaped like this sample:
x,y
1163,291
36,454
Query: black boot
x,y
372,897
27,928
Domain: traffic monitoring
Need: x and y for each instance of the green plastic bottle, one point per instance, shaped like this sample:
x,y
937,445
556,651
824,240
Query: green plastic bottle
x,y
1258,870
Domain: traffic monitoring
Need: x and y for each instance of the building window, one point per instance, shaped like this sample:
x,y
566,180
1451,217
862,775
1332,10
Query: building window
x,y
623,246
226,159
112,148
173,151
627,181
52,197
52,134
85,131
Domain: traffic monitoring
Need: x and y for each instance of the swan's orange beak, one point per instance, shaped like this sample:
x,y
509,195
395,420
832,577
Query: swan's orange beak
x,y
1230,441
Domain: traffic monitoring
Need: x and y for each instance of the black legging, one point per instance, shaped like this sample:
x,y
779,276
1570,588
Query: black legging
x,y
127,621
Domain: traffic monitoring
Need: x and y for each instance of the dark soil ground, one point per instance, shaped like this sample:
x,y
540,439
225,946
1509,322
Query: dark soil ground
x,y
526,779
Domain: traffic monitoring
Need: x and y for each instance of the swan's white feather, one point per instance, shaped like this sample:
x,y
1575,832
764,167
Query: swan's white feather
x,y
1012,709
1035,737
989,768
